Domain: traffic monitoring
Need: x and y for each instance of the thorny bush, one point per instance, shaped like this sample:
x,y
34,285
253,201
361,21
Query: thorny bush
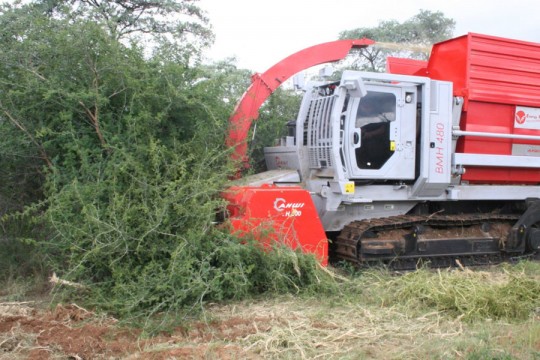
x,y
123,152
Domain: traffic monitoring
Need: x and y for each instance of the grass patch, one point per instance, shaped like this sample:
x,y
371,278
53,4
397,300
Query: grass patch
x,y
377,314
506,293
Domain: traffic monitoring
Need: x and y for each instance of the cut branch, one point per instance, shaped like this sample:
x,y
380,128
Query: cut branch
x,y
57,281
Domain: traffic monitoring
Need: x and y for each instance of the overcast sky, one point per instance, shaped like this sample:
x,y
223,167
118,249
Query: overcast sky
x,y
260,33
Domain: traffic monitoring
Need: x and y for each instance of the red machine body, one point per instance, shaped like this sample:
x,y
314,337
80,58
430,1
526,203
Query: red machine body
x,y
499,80
285,215
461,138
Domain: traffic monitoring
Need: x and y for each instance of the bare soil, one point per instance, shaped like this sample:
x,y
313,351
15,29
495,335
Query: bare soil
x,y
71,332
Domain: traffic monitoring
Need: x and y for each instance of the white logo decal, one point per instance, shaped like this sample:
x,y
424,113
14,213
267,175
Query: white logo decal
x,y
527,118
291,209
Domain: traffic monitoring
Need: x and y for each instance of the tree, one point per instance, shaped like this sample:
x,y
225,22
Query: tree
x,y
77,109
179,20
412,38
123,151
54,70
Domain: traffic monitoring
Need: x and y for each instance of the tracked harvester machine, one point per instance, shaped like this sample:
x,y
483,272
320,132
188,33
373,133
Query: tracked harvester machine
x,y
436,160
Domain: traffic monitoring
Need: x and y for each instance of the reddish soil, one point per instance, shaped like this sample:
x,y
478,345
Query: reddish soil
x,y
71,332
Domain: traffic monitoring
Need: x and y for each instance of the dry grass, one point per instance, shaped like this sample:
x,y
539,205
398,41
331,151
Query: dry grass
x,y
305,330
25,308
295,329
376,315
16,344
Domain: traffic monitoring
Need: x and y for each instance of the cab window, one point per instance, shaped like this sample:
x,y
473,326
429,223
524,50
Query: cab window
x,y
375,112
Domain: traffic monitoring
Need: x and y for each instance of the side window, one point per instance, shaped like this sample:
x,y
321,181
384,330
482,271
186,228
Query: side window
x,y
375,112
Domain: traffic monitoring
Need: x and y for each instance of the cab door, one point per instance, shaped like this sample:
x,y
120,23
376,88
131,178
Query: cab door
x,y
380,130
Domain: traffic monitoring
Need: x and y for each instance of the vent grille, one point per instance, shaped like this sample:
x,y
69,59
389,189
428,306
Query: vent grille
x,y
319,132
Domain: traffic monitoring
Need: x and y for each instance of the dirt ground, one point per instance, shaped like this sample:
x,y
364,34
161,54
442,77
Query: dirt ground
x,y
71,332
276,329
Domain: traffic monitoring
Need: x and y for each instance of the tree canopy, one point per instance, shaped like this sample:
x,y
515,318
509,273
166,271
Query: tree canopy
x,y
412,38
178,20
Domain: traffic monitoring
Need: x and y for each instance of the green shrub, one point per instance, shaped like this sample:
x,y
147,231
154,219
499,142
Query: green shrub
x,y
123,163
140,236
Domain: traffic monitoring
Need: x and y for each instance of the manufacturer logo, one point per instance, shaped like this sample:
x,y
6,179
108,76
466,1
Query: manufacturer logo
x,y
521,116
527,118
288,208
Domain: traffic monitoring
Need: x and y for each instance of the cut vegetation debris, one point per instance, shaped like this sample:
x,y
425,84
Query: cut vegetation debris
x,y
445,314
510,294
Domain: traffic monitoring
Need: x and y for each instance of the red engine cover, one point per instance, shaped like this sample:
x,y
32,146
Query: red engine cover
x,y
283,214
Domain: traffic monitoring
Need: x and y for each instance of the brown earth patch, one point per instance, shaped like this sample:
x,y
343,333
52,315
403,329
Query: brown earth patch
x,y
71,332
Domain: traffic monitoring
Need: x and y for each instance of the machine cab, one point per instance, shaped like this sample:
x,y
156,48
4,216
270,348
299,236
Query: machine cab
x,y
380,131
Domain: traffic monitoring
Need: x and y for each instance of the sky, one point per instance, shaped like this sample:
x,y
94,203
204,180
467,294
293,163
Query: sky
x,y
261,33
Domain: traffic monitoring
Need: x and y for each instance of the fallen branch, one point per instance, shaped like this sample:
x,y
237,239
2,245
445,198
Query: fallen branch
x,y
57,281
16,303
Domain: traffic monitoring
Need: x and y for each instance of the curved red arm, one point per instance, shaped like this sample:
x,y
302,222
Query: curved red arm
x,y
263,85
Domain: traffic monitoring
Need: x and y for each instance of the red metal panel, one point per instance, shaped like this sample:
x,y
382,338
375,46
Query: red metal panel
x,y
488,68
500,121
448,61
504,71
278,214
395,65
494,75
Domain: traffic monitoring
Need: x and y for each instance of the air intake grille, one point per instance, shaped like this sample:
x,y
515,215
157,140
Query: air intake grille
x,y
319,132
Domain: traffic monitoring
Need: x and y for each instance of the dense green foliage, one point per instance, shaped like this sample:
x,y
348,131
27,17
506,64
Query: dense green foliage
x,y
412,38
115,162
